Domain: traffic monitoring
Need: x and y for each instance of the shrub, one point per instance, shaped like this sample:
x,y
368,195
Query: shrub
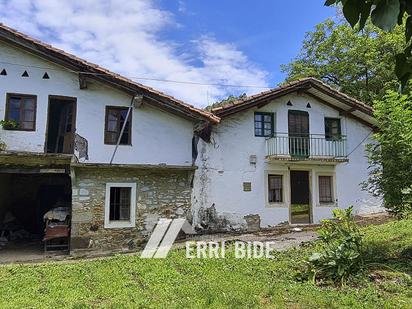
x,y
390,157
340,256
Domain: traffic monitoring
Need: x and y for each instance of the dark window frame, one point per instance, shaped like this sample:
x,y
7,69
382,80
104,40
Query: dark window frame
x,y
7,110
327,199
274,194
115,207
262,130
119,127
329,136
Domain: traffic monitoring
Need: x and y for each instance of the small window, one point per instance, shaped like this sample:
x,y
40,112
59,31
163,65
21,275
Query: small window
x,y
325,189
120,205
115,118
275,189
247,186
333,129
264,124
21,110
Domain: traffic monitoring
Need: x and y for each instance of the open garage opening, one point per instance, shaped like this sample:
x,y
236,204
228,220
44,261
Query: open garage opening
x,y
25,199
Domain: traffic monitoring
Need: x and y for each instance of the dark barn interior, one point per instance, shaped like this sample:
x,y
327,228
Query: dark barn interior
x,y
24,200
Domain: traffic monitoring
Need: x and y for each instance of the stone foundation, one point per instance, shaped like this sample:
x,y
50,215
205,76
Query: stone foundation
x,y
159,193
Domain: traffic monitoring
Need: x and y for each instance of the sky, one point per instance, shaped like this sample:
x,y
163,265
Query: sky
x,y
199,51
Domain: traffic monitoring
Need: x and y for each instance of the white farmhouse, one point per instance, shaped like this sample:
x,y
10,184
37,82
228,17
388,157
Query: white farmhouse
x,y
291,154
64,148
116,155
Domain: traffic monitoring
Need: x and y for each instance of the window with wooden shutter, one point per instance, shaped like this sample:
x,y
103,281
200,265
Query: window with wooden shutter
x,y
333,129
275,188
325,189
21,112
264,124
298,127
115,118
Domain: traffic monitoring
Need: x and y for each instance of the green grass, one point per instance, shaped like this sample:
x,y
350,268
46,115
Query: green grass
x,y
176,282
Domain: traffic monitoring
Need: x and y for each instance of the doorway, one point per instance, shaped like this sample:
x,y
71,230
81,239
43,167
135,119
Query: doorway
x,y
300,212
61,125
298,128
25,198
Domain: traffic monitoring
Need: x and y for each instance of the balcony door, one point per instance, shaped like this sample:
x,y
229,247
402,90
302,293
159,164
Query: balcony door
x,y
298,127
61,125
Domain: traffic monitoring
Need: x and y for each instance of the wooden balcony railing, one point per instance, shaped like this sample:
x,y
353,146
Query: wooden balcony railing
x,y
309,146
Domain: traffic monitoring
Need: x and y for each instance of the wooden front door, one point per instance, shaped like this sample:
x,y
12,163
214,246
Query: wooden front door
x,y
298,127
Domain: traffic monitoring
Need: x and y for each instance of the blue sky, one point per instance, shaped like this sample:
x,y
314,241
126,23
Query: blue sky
x,y
210,43
269,32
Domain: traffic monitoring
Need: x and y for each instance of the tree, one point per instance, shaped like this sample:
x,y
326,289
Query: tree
x,y
230,99
391,158
360,64
384,14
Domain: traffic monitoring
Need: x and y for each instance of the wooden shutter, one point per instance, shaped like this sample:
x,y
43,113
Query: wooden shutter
x,y
125,203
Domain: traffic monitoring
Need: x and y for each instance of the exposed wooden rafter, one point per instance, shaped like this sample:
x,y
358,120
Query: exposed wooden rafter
x,y
82,81
348,111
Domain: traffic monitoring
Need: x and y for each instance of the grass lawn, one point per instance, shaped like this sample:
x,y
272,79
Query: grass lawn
x,y
177,282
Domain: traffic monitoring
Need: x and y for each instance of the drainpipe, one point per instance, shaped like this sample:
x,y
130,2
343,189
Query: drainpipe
x,y
122,130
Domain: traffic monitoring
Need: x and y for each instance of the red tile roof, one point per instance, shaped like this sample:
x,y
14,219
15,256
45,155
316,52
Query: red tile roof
x,y
82,65
301,84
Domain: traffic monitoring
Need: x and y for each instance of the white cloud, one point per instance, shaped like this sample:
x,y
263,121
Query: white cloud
x,y
124,36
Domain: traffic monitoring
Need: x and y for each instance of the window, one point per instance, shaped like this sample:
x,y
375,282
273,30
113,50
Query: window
x,y
247,186
332,129
119,203
21,109
115,118
275,189
264,124
120,206
325,189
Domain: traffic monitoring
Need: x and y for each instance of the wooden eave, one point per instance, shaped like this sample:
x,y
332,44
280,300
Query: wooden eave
x,y
154,167
34,159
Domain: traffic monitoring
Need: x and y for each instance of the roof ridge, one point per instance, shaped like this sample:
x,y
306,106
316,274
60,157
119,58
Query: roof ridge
x,y
119,77
263,93
286,85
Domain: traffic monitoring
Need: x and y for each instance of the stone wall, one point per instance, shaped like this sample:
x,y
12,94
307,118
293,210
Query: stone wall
x,y
160,193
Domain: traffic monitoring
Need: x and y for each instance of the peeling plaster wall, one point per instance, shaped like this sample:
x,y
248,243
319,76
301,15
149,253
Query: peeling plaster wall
x,y
224,166
157,136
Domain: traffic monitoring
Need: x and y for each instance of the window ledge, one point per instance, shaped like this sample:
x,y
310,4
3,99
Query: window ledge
x,y
332,204
276,205
21,130
119,224
130,145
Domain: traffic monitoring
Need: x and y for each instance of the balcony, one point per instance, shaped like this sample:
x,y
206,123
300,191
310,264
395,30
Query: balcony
x,y
282,146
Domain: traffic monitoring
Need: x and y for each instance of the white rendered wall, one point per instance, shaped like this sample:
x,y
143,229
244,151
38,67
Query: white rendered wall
x,y
157,136
224,166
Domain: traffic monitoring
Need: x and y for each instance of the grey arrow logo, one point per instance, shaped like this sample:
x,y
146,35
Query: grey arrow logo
x,y
163,237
